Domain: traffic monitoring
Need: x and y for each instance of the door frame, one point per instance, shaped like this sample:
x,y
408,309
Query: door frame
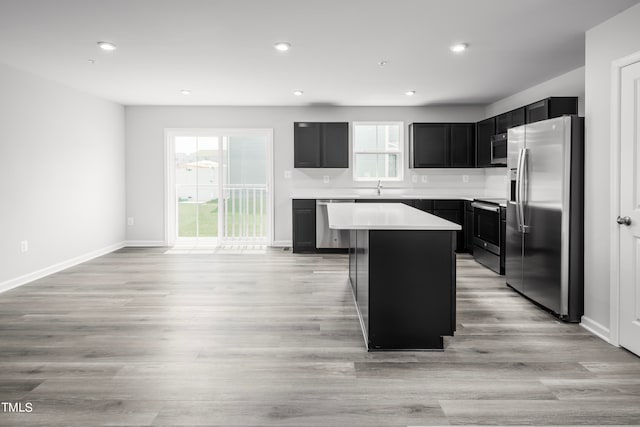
x,y
169,173
614,228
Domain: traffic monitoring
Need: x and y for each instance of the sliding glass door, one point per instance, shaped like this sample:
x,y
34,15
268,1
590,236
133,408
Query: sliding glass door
x,y
245,189
220,186
197,171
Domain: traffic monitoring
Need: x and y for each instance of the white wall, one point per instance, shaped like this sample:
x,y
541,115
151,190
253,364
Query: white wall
x,y
613,39
145,153
61,175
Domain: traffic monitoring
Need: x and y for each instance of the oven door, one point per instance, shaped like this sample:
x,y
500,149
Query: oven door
x,y
486,226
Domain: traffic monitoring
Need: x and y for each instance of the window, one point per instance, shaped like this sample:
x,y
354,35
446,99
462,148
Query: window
x,y
377,151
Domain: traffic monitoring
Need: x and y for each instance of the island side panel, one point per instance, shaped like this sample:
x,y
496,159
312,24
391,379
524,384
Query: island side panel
x,y
362,272
353,277
411,288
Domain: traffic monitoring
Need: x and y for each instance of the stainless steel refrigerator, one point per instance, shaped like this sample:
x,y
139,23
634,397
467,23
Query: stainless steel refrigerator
x,y
544,237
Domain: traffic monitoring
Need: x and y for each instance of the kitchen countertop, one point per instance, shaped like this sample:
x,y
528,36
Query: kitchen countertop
x,y
384,216
368,193
495,201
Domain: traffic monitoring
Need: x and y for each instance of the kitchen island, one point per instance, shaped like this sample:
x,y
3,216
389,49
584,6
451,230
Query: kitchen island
x,y
402,272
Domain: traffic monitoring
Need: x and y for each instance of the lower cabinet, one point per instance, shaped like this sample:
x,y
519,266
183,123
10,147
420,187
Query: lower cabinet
x,y
468,227
304,220
304,225
452,210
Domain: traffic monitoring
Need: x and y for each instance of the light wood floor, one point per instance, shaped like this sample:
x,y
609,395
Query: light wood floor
x,y
140,337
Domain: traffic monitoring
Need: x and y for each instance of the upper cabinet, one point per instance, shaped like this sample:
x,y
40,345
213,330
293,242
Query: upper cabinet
x,y
545,109
510,119
321,145
442,145
463,147
550,108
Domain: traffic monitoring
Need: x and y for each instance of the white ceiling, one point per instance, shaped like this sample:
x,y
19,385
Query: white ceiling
x,y
223,50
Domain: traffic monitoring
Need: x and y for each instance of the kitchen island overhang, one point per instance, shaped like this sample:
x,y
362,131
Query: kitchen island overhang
x,y
402,272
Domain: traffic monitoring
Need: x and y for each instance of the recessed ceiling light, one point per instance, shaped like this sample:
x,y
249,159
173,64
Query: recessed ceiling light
x,y
107,46
460,47
298,92
383,63
410,92
282,46
185,92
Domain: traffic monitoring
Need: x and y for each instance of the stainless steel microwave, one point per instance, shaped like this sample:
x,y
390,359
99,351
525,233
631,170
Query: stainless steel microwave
x,y
499,149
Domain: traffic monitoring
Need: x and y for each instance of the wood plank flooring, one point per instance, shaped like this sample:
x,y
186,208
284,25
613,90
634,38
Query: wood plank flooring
x,y
140,337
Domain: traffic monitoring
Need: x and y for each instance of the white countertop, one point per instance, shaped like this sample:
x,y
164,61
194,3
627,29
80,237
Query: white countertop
x,y
383,216
367,193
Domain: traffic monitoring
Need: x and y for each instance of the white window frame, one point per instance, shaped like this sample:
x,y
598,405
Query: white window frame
x,y
399,153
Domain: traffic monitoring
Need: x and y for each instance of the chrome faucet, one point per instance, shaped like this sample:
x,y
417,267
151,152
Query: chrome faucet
x,y
379,187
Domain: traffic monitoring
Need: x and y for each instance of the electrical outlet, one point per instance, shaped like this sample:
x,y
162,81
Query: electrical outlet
x,y
24,246
465,178
287,174
425,179
130,221
414,178
325,179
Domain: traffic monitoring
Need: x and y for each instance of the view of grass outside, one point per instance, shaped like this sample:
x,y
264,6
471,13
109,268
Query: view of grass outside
x,y
208,214
208,218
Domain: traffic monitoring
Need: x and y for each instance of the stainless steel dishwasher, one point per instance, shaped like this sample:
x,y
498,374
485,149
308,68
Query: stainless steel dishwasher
x,y
327,238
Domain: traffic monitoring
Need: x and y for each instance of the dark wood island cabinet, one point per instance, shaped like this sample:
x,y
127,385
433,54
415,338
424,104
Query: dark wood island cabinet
x,y
402,272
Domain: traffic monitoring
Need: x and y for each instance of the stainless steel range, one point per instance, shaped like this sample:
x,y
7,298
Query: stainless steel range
x,y
488,232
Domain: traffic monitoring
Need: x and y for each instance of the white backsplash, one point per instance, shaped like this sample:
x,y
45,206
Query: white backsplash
x,y
490,182
496,182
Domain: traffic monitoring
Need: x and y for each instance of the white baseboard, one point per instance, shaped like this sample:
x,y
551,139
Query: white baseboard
x,y
595,328
145,243
281,244
39,274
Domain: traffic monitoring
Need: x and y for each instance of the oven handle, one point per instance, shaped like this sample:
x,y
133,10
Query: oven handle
x,y
486,207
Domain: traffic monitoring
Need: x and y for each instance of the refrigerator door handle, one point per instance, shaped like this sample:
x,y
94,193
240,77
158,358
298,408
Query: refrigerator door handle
x,y
518,192
524,183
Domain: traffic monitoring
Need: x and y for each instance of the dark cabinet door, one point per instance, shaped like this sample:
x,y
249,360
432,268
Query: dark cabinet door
x,y
429,145
485,130
468,227
551,107
321,145
452,210
304,226
502,123
306,145
517,117
511,119
538,111
335,145
462,145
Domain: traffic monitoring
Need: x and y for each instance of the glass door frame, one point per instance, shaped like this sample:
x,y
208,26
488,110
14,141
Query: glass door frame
x,y
170,214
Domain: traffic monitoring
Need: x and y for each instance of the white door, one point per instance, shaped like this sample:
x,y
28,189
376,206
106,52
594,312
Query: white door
x,y
630,208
